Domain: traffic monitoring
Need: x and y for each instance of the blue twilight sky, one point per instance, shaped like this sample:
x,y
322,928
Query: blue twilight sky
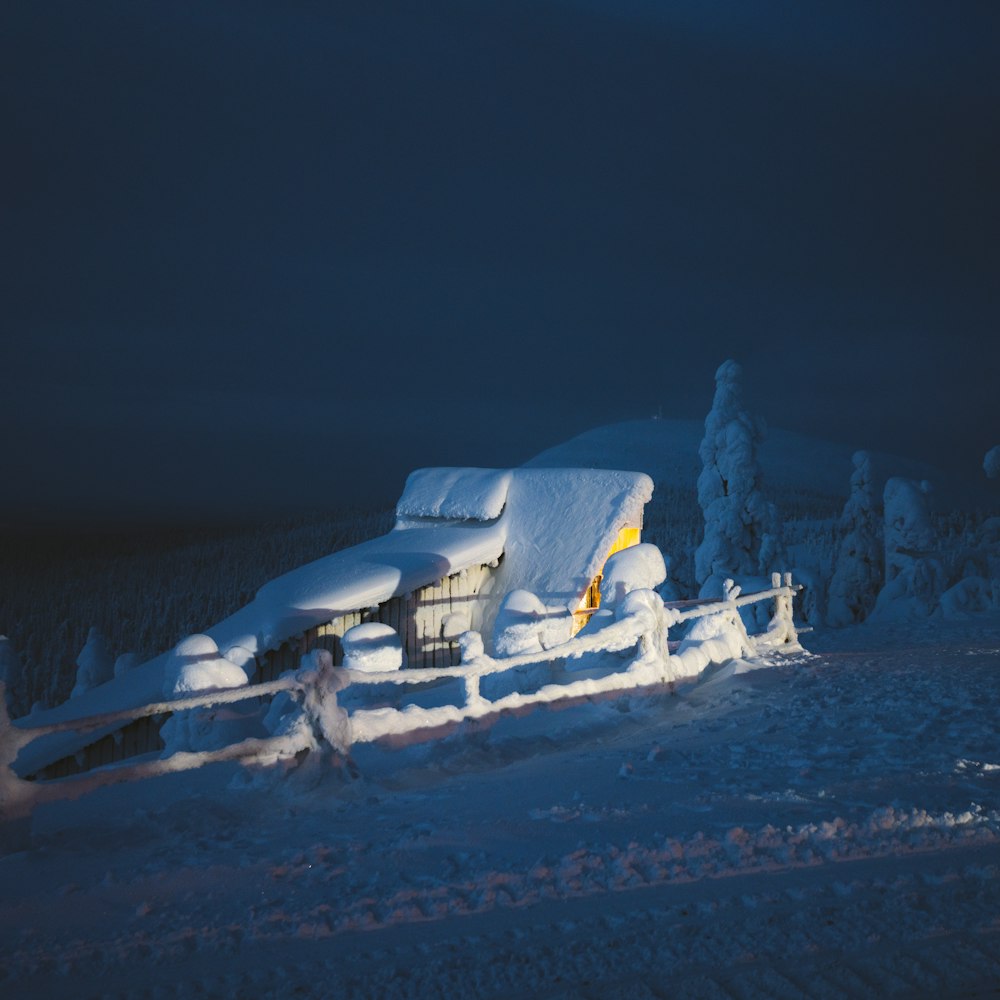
x,y
261,255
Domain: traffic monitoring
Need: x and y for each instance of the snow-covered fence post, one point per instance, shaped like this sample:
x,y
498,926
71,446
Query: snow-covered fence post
x,y
781,628
321,681
472,655
472,692
652,646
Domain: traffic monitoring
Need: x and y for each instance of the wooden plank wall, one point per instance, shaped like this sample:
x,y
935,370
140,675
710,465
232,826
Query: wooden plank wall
x,y
138,737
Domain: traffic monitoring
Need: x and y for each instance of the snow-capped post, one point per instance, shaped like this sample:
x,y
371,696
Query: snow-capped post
x,y
652,648
781,628
472,655
741,536
321,681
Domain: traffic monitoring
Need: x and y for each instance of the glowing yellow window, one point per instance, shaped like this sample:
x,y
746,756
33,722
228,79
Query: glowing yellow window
x,y
591,601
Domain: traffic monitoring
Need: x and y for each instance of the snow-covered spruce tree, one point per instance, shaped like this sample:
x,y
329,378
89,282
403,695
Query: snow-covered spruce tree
x,y
914,577
857,575
991,462
10,675
975,570
95,665
741,536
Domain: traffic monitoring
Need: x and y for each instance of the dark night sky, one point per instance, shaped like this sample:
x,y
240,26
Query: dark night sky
x,y
275,253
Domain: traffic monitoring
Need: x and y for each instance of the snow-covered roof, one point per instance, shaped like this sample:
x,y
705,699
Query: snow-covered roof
x,y
554,528
362,576
461,494
561,524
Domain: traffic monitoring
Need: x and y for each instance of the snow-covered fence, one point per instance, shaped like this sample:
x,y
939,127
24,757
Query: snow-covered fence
x,y
316,686
642,624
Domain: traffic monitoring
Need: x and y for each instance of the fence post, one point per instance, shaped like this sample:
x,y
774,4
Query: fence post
x,y
321,681
781,628
472,693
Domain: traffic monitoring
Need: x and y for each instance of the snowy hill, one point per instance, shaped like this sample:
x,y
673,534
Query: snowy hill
x,y
792,463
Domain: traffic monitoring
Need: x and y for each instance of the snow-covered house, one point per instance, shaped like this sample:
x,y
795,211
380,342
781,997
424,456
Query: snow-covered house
x,y
463,539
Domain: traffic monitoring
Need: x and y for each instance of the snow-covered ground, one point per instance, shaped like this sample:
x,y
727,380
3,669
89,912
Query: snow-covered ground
x,y
825,825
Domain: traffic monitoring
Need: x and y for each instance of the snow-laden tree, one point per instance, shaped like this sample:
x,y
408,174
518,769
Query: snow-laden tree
x,y
740,525
991,462
914,577
95,664
858,571
10,674
125,663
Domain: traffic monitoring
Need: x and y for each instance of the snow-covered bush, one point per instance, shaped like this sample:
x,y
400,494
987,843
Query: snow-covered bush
x,y
858,573
196,665
525,625
471,646
243,658
991,462
914,578
672,588
741,533
715,639
372,647
95,664
519,624
970,596
639,567
125,663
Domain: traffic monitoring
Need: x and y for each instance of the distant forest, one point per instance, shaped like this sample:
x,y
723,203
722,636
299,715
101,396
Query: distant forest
x,y
145,590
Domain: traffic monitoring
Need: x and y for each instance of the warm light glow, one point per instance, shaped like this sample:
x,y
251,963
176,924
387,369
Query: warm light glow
x,y
591,600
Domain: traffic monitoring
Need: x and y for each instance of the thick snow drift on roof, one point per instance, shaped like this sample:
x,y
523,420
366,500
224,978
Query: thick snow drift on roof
x,y
458,494
561,523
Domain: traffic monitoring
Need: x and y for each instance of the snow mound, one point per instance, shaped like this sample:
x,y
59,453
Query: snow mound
x,y
196,665
372,647
519,624
639,567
